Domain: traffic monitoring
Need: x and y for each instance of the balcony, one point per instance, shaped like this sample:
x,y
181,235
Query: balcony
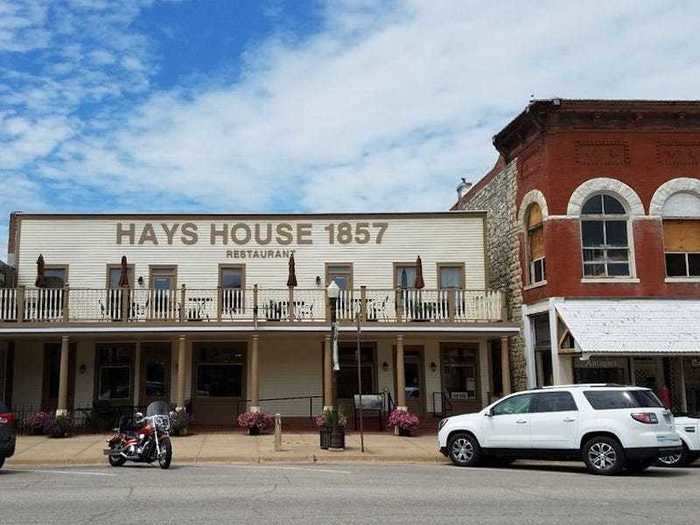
x,y
252,305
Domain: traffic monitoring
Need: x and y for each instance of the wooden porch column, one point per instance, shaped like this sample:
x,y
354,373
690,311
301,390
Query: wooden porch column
x,y
400,375
137,374
181,368
505,366
327,374
62,407
254,374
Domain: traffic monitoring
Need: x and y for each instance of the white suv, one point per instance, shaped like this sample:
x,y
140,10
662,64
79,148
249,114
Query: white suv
x,y
610,427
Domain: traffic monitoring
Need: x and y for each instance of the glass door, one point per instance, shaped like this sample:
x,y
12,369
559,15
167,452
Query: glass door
x,y
414,381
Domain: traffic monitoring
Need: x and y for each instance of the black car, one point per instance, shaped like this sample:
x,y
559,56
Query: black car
x,y
8,433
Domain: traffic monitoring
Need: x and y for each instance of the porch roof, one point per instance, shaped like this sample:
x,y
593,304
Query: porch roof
x,y
633,326
495,329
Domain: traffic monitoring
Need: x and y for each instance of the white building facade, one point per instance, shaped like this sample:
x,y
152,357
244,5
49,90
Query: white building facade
x,y
206,320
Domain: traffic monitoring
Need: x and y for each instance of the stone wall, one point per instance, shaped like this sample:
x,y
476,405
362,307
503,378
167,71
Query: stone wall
x,y
498,198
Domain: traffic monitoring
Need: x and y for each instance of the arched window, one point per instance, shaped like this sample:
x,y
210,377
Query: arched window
x,y
604,237
535,244
681,214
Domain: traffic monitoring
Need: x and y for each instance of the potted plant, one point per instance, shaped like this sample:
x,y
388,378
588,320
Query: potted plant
x,y
35,423
406,422
255,422
332,429
60,427
179,422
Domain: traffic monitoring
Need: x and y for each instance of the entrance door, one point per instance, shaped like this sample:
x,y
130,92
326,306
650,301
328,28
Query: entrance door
x,y
51,375
413,374
155,373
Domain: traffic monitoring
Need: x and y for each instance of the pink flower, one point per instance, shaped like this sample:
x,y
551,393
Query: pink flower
x,y
404,420
259,420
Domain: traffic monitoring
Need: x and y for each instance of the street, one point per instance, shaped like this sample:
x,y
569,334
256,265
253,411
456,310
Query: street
x,y
345,493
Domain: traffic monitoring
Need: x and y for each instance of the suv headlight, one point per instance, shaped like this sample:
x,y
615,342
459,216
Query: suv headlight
x,y
443,422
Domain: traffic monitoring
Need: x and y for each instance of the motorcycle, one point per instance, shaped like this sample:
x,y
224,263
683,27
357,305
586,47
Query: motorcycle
x,y
146,440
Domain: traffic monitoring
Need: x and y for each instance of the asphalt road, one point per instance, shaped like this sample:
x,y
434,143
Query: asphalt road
x,y
346,493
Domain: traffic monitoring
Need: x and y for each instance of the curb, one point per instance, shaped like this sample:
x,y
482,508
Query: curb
x,y
247,460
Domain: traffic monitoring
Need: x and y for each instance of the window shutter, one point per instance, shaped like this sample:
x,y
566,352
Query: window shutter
x,y
682,235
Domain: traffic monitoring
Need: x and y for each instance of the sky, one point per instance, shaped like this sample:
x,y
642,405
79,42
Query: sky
x,y
304,105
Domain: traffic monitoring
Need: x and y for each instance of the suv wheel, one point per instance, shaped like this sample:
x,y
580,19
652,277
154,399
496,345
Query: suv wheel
x,y
464,450
677,460
603,455
2,461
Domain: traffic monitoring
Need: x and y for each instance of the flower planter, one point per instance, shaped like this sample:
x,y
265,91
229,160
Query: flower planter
x,y
332,437
253,431
404,432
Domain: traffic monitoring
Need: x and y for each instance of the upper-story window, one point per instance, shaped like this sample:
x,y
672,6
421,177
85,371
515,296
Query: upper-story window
x,y
535,244
341,274
56,276
404,275
604,237
682,235
450,275
114,273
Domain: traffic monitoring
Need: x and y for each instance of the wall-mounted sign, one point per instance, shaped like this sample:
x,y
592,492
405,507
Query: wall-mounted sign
x,y
242,234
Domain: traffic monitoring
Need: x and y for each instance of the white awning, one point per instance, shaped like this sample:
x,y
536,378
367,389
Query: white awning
x,y
629,327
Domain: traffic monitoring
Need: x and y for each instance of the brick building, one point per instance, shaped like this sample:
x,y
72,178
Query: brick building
x,y
594,232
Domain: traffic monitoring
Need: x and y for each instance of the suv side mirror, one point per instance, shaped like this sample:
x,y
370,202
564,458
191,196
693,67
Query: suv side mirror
x,y
489,413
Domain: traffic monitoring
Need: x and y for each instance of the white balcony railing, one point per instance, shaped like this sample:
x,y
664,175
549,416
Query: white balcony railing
x,y
45,305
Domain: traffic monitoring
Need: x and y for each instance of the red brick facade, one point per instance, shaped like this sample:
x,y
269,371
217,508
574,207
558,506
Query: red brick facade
x,y
559,146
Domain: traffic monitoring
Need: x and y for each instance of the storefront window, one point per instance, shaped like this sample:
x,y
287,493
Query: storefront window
x,y
114,372
219,370
459,365
347,375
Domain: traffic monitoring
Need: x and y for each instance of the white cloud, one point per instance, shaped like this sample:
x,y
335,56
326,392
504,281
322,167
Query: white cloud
x,y
383,109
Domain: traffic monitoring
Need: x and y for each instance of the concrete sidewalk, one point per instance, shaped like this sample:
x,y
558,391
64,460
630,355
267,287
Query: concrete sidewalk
x,y
235,447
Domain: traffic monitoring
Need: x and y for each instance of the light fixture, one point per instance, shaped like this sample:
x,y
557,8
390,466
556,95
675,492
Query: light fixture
x,y
82,369
433,366
385,366
140,280
333,290
318,280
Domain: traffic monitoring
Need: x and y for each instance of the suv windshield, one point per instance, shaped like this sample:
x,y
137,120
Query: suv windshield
x,y
611,399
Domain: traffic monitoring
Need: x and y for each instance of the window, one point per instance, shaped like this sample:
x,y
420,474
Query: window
x,y
553,402
459,366
231,277
519,404
604,236
114,372
450,276
535,245
219,369
163,277
56,276
404,275
613,399
341,274
114,273
681,214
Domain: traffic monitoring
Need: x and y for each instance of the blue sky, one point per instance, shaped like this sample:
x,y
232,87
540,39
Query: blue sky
x,y
304,105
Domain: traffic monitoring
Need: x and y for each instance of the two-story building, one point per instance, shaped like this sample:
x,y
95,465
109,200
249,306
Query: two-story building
x,y
594,231
203,312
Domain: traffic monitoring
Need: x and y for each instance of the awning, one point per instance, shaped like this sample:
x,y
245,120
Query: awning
x,y
633,327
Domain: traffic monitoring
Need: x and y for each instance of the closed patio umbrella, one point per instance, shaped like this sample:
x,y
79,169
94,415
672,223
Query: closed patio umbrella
x,y
124,275
420,283
292,279
40,273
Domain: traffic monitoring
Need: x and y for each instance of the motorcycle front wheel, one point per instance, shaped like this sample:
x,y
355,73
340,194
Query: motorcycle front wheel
x,y
116,461
166,453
